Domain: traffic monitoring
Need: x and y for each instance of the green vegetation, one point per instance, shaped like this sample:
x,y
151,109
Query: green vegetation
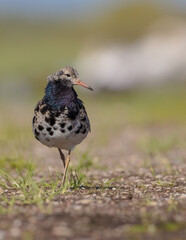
x,y
8,163
151,228
28,188
79,170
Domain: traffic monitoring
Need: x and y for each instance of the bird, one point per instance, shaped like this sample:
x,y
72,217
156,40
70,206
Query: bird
x,y
60,118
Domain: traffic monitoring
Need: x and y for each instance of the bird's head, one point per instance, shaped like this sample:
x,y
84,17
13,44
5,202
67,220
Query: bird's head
x,y
68,76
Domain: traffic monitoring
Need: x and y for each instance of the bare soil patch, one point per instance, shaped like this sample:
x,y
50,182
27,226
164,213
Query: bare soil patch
x,y
135,190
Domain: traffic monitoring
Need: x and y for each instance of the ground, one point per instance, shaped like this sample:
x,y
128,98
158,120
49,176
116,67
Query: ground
x,y
127,179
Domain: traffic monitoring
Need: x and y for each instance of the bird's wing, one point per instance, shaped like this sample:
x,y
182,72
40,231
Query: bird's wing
x,y
83,113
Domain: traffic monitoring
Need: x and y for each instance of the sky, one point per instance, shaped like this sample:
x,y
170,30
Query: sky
x,y
71,7
50,7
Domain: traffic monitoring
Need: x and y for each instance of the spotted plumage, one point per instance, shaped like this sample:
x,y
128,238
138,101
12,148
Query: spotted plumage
x,y
60,119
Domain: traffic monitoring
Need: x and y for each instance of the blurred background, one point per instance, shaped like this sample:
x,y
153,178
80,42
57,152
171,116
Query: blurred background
x,y
133,53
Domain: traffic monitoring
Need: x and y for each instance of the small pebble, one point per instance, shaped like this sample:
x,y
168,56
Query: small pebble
x,y
17,223
62,231
182,196
15,232
85,201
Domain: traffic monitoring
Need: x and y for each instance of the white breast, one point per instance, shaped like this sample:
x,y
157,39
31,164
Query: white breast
x,y
64,134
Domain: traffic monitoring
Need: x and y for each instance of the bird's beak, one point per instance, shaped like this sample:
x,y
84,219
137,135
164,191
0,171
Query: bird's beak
x,y
78,82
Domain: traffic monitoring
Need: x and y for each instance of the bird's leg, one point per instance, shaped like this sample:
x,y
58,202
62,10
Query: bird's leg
x,y
67,161
62,156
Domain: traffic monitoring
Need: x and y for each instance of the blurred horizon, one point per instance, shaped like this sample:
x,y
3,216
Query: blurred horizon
x,y
145,39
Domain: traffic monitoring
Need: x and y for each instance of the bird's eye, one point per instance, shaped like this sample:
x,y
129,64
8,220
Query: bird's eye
x,y
68,75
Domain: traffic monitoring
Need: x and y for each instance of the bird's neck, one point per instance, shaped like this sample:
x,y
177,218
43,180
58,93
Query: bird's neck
x,y
59,96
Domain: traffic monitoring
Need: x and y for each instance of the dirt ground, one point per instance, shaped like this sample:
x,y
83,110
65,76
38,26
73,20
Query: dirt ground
x,y
136,190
